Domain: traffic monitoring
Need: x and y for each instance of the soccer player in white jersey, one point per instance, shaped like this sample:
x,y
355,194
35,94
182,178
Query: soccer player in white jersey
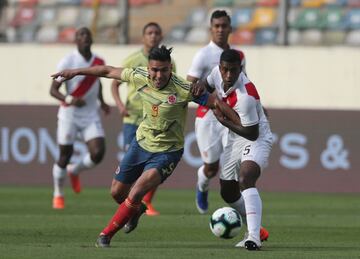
x,y
248,145
210,142
78,115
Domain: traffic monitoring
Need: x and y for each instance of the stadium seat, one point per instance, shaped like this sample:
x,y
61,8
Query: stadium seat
x,y
336,2
197,35
24,15
308,18
67,35
293,16
71,2
27,32
241,17
47,2
108,17
242,37
266,37
86,16
107,35
353,38
67,16
228,3
268,3
312,37
334,18
353,3
244,3
294,3
47,34
264,17
294,37
352,19
47,15
334,37
27,2
312,3
197,17
177,34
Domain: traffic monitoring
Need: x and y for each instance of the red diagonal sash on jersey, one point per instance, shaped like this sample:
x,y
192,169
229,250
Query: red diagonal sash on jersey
x,y
88,81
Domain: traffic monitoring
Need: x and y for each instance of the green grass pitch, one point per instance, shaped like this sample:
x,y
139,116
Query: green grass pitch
x,y
300,226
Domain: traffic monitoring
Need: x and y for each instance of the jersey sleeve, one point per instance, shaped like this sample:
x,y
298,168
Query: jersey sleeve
x,y
246,108
64,63
211,78
197,66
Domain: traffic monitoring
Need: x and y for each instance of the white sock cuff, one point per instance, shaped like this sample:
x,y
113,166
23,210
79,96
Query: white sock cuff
x,y
250,191
58,172
88,162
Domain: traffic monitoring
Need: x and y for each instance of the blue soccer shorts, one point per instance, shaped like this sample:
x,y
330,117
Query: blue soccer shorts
x,y
137,160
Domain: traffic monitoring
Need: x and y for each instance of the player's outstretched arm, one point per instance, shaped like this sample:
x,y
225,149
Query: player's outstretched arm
x,y
230,119
116,95
100,71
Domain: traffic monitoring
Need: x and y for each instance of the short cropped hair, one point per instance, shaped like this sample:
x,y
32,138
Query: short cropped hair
x,y
160,53
151,24
218,14
231,56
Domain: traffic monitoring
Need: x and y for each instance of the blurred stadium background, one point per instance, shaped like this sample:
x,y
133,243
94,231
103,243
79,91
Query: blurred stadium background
x,y
303,55
304,58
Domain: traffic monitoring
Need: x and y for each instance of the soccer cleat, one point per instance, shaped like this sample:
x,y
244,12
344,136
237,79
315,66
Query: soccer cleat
x,y
252,243
58,203
264,235
150,210
103,241
75,182
202,201
133,222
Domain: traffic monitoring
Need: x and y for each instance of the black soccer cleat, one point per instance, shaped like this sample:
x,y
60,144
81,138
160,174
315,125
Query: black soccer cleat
x,y
251,245
103,241
133,222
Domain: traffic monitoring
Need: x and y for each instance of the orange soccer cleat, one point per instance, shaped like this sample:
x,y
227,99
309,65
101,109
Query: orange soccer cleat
x,y
58,203
264,234
75,182
150,210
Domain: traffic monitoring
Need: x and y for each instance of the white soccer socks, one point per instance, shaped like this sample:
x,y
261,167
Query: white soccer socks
x,y
59,180
253,206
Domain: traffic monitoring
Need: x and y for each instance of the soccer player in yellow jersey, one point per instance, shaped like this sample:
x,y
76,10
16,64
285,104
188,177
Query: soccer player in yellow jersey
x,y
131,111
158,146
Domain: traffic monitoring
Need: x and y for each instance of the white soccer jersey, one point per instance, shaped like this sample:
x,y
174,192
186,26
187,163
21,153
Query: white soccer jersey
x,y
244,99
204,61
85,87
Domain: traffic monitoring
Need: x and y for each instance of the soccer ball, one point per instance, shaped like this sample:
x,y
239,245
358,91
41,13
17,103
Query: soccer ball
x,y
225,223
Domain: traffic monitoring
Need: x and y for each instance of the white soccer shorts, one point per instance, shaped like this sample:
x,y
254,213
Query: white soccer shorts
x,y
68,130
211,137
240,151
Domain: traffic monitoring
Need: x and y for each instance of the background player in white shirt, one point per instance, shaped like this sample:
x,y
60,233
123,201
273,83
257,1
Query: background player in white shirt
x,y
210,134
248,145
78,115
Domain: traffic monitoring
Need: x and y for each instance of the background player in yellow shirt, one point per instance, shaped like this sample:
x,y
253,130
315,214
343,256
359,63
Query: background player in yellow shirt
x,y
158,146
131,111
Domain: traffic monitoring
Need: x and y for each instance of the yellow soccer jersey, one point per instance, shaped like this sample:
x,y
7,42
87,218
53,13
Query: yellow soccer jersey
x,y
133,101
164,111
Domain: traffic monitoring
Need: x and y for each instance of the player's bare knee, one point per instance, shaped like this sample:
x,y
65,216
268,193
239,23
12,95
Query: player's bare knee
x,y
211,170
97,156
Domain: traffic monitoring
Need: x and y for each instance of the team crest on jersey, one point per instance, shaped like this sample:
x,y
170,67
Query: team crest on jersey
x,y
117,171
171,99
154,110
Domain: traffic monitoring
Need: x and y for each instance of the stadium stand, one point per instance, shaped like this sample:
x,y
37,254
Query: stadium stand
x,y
255,22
